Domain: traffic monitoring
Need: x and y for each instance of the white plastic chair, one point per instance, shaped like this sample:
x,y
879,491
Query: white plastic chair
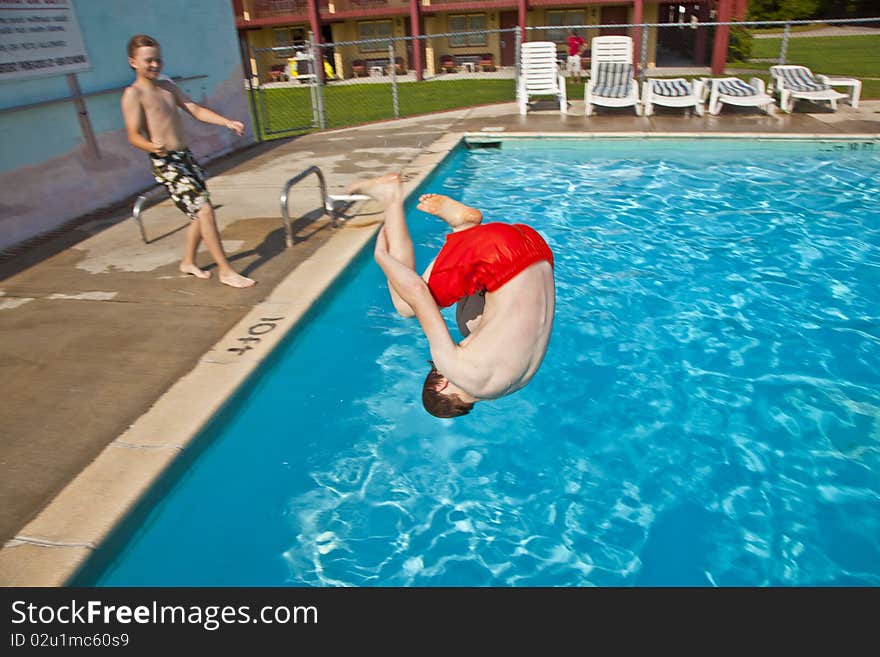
x,y
793,83
612,82
733,91
539,75
675,92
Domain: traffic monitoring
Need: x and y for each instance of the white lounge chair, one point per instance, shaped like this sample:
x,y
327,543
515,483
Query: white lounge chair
x,y
675,92
539,75
611,83
798,83
734,91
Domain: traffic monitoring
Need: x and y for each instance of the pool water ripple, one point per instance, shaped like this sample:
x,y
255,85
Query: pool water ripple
x,y
708,412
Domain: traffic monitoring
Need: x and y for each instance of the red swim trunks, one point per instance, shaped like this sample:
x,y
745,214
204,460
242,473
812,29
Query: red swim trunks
x,y
483,258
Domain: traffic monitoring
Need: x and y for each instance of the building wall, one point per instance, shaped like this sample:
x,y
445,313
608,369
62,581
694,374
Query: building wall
x,y
46,173
437,47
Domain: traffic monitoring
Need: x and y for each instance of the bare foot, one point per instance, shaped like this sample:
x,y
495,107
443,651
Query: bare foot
x,y
234,279
195,271
457,215
384,189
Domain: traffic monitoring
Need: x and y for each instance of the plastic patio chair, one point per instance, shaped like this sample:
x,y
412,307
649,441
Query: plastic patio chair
x,y
793,83
539,75
447,64
612,80
675,92
733,91
487,62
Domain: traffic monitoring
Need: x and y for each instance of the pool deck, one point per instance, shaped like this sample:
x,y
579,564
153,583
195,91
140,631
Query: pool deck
x,y
112,361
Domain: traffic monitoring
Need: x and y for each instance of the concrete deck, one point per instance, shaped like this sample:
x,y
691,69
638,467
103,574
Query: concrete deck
x,y
112,361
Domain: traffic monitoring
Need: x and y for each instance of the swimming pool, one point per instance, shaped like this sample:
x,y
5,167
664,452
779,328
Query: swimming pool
x,y
708,412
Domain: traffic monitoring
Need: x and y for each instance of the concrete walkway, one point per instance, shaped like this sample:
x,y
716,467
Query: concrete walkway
x,y
96,325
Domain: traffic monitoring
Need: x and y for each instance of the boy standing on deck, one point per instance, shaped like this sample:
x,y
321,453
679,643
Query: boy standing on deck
x,y
152,122
576,46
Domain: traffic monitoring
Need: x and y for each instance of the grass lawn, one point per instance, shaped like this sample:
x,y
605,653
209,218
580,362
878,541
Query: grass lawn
x,y
289,110
852,56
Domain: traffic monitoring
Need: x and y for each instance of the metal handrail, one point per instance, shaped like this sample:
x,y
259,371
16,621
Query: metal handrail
x,y
288,228
139,206
327,201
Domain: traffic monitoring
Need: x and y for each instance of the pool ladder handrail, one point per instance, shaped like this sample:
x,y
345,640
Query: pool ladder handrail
x,y
328,201
139,207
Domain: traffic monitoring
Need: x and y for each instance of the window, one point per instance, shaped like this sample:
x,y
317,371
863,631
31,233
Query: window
x,y
374,30
288,36
468,23
566,18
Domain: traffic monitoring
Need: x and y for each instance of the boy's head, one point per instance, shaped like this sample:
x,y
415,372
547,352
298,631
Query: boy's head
x,y
438,400
144,55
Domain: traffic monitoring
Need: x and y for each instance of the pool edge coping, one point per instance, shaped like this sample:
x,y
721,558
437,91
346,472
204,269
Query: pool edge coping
x,y
51,549
706,136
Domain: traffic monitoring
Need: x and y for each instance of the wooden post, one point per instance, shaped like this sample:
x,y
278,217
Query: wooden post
x,y
722,35
414,20
83,115
315,23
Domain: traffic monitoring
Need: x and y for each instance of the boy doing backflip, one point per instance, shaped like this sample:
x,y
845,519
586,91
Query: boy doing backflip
x,y
152,122
500,276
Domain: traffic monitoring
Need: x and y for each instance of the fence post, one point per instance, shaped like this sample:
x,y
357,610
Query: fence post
x,y
643,56
393,64
318,72
784,47
517,44
244,50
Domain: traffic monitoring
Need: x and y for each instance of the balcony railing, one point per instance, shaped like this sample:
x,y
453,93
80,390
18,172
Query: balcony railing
x,y
276,8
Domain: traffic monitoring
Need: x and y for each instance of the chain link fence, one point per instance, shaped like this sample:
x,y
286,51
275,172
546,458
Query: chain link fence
x,y
310,86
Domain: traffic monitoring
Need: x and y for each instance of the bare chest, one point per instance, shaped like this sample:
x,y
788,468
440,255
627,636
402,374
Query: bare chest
x,y
159,105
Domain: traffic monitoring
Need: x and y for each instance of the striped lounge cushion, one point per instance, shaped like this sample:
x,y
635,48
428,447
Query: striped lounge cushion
x,y
671,88
735,87
613,80
800,79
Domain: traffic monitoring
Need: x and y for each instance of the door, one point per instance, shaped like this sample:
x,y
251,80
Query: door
x,y
508,20
611,16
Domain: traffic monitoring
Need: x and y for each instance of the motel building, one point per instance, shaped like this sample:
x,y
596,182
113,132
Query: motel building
x,y
265,24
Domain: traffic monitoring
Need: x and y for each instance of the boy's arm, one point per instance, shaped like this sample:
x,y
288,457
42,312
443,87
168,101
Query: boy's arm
x,y
414,291
402,306
133,115
203,114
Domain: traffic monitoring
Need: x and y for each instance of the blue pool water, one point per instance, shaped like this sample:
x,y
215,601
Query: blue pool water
x,y
708,412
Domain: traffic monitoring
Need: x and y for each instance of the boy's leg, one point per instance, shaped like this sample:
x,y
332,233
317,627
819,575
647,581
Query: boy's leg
x,y
185,182
458,215
208,228
388,191
193,239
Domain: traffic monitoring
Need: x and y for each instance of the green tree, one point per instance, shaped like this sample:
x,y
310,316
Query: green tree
x,y
739,44
782,10
848,9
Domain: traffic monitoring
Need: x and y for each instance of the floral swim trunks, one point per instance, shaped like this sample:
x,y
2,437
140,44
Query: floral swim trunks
x,y
184,179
